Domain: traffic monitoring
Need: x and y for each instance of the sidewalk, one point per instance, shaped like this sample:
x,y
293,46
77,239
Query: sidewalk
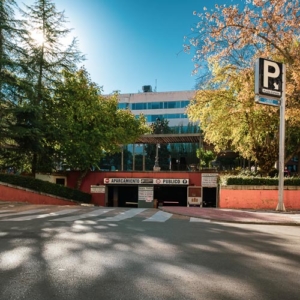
x,y
237,216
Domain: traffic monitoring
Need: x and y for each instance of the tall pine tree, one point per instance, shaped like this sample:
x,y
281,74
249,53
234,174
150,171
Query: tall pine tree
x,y
13,68
47,58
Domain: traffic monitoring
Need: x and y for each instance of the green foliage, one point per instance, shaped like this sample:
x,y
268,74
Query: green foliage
x,y
46,187
47,58
51,114
251,180
12,68
91,125
205,156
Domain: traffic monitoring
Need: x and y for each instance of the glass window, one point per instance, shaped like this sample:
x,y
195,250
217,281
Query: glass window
x,y
173,116
123,105
140,106
155,105
184,103
173,104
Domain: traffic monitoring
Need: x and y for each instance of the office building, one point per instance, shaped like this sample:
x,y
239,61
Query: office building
x,y
153,105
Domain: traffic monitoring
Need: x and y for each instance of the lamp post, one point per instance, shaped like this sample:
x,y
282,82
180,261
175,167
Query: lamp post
x,y
158,129
156,165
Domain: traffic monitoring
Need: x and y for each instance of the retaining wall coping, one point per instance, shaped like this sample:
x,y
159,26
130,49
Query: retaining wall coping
x,y
257,187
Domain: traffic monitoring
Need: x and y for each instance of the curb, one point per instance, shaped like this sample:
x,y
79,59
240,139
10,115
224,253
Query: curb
x,y
214,220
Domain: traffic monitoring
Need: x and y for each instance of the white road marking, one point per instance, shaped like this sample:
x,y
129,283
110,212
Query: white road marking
x,y
124,215
295,218
93,213
199,220
160,216
53,214
5,211
23,212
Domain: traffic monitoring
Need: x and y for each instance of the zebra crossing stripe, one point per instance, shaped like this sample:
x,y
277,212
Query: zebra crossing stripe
x,y
124,215
199,220
160,216
53,214
32,211
93,213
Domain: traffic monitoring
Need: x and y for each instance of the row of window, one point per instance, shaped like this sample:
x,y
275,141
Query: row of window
x,y
154,105
152,118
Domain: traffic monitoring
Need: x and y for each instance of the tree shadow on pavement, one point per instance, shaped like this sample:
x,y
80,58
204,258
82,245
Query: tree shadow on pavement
x,y
146,260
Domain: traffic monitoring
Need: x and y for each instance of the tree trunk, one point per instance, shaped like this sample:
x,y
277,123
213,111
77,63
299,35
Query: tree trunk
x,y
80,178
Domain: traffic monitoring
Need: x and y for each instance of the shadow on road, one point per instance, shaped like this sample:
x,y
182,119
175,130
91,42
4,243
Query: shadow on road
x,y
139,260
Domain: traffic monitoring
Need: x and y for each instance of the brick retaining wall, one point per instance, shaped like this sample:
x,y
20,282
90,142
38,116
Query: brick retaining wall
x,y
258,197
18,194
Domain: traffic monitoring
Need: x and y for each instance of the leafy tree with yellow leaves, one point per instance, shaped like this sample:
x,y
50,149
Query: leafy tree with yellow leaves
x,y
227,41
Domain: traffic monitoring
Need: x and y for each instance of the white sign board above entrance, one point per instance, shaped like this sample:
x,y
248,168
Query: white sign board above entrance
x,y
165,181
209,179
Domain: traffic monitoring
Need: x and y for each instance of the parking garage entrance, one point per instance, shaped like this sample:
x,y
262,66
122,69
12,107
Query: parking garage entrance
x,y
128,196
145,191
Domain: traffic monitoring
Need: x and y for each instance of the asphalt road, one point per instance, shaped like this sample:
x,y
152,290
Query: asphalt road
x,y
131,254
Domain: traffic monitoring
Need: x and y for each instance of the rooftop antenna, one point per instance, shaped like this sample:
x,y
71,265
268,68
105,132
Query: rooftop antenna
x,y
155,85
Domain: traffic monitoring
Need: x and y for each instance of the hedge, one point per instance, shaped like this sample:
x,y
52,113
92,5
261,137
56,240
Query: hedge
x,y
45,187
247,180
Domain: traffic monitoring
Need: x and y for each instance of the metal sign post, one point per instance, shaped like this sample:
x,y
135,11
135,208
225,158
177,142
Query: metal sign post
x,y
270,82
280,205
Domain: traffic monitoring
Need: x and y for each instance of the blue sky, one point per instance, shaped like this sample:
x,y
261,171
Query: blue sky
x,y
131,43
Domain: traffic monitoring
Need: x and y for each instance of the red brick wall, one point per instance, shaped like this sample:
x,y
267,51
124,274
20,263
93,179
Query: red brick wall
x,y
8,193
258,198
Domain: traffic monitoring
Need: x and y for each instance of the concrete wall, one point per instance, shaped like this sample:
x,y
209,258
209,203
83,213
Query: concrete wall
x,y
17,194
258,197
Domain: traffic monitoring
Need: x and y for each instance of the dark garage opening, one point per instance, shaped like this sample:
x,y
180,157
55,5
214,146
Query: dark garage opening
x,y
171,195
166,195
209,197
127,196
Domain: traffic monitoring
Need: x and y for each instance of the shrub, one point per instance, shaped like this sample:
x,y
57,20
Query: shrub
x,y
46,187
251,180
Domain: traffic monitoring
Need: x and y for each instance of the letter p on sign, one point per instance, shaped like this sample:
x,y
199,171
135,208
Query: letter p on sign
x,y
267,73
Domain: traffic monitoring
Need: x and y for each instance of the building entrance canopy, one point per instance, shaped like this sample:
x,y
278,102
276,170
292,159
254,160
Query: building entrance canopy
x,y
169,138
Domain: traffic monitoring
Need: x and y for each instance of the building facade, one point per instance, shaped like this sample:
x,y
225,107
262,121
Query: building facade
x,y
170,106
153,105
